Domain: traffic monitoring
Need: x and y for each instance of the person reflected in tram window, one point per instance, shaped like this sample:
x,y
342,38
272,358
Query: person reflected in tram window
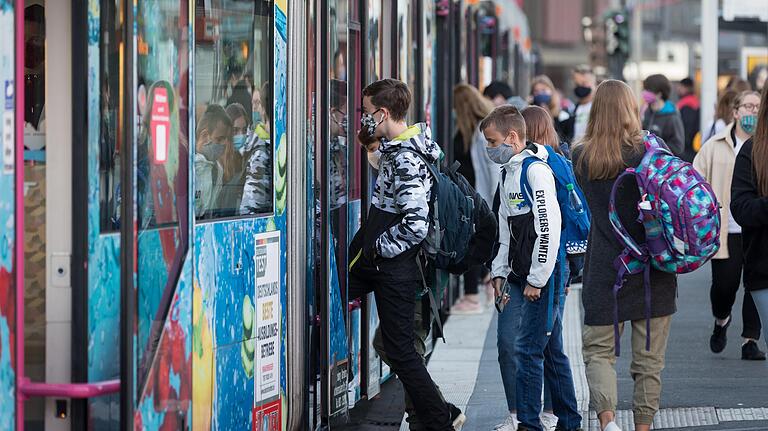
x,y
715,162
469,150
544,94
257,154
749,191
231,162
338,144
257,111
214,131
241,94
234,75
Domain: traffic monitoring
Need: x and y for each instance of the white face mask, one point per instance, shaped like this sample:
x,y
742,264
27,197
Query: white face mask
x,y
373,158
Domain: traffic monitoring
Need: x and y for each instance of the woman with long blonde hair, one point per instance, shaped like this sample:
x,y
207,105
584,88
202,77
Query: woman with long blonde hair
x,y
749,194
544,94
612,143
469,150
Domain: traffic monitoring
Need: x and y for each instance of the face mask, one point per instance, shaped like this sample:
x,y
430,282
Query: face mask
x,y
542,99
256,117
748,123
212,151
238,141
342,125
648,97
582,92
370,123
373,159
500,154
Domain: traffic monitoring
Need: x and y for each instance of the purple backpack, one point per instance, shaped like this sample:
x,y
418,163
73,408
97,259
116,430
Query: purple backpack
x,y
681,217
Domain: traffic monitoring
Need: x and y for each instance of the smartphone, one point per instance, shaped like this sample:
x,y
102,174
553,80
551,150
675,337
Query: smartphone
x,y
500,299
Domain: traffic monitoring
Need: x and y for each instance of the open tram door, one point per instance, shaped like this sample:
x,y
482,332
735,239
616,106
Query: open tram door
x,y
43,296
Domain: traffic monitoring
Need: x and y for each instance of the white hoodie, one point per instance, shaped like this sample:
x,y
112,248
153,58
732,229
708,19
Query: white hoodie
x,y
515,220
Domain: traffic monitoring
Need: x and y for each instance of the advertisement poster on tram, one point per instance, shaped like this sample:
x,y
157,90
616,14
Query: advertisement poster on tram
x,y
267,264
267,417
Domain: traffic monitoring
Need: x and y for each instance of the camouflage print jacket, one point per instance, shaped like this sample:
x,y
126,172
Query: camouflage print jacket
x,y
403,187
257,190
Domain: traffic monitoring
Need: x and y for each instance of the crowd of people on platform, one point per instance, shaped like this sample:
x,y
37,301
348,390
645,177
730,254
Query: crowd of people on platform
x,y
513,151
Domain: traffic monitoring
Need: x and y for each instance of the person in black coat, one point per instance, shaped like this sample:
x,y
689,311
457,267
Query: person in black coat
x,y
749,205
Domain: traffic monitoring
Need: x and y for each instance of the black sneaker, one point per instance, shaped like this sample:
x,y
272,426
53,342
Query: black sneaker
x,y
457,417
750,352
718,340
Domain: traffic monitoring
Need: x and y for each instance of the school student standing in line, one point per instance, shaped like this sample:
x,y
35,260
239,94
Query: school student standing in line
x,y
613,142
527,261
749,204
715,161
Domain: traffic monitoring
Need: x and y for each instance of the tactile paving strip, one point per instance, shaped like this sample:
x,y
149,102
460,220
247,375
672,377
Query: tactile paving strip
x,y
743,414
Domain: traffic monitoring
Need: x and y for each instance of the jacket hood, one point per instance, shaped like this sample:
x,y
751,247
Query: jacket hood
x,y
416,137
668,109
689,101
531,149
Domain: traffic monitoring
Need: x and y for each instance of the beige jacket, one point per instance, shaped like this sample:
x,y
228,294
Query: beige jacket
x,y
715,163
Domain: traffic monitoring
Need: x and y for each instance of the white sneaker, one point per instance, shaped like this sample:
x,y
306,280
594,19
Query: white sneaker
x,y
509,424
611,427
548,421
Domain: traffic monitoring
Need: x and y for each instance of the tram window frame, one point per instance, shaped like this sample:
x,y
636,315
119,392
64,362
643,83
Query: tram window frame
x,y
263,10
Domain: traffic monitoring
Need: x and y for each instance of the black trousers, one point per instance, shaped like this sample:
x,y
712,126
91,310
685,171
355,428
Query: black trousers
x,y
395,302
726,279
473,277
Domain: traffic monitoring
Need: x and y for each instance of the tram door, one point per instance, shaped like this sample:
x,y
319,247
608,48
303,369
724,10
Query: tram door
x,y
10,190
240,192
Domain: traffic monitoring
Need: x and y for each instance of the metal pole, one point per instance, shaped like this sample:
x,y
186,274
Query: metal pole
x,y
709,31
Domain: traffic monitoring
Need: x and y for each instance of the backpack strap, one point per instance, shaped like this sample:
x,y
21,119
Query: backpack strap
x,y
432,301
525,187
613,216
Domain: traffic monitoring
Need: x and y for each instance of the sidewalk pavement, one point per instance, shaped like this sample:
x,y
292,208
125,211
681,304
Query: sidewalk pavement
x,y
702,391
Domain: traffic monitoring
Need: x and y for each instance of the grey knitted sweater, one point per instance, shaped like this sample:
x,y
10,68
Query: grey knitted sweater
x,y
599,272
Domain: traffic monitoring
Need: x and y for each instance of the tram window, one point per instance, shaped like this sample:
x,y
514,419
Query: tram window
x,y
108,114
233,96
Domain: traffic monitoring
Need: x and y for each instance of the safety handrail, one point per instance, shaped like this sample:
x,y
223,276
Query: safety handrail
x,y
68,390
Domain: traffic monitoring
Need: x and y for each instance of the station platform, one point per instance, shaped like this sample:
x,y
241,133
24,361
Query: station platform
x,y
701,390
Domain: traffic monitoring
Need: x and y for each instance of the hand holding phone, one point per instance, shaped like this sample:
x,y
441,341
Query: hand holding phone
x,y
501,292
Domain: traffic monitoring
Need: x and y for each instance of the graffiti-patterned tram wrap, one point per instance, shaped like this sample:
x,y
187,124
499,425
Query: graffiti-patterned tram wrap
x,y
174,229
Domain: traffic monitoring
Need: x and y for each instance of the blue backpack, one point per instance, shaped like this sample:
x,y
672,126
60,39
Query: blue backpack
x,y
573,205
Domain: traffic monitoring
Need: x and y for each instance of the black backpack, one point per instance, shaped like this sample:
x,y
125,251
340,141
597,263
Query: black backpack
x,y
462,228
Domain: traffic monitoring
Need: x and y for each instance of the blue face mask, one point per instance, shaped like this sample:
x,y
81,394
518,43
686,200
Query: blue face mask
x,y
256,117
212,151
748,123
500,154
238,141
542,99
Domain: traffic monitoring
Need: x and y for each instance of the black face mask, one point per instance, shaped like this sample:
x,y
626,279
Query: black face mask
x,y
582,92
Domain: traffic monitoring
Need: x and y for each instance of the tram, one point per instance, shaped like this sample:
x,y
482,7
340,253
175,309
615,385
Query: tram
x,y
179,185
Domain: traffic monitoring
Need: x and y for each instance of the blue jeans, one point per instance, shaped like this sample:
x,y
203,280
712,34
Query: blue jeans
x,y
506,333
540,356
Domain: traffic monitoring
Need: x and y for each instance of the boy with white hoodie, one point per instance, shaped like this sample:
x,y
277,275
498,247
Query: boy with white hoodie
x,y
528,249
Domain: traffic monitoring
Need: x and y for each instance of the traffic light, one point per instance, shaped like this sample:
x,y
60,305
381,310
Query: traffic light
x,y
617,34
